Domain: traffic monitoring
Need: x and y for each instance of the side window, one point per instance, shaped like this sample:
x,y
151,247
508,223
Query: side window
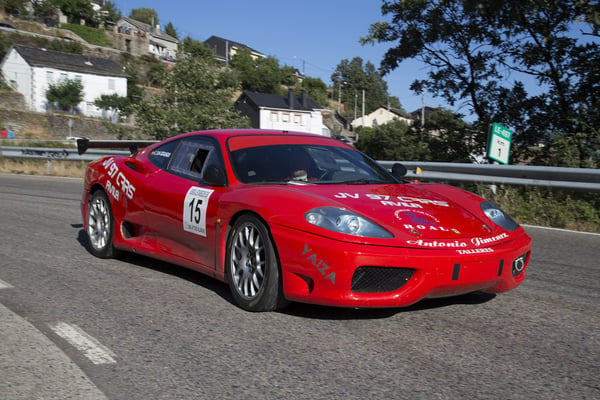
x,y
192,158
160,156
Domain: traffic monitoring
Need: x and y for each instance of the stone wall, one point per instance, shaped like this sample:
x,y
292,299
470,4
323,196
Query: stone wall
x,y
129,43
27,124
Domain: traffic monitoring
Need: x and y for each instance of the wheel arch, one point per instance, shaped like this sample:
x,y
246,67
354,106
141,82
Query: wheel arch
x,y
227,236
277,302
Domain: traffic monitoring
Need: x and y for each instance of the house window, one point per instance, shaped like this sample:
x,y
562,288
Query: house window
x,y
298,119
49,76
111,84
78,78
285,117
274,116
63,77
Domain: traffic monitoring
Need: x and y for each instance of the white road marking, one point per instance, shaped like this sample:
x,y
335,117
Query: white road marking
x,y
4,285
95,351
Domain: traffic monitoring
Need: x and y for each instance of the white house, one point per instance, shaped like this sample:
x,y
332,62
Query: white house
x,y
287,113
31,70
381,116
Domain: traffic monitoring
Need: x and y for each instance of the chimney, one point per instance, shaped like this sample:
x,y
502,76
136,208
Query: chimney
x,y
304,99
291,99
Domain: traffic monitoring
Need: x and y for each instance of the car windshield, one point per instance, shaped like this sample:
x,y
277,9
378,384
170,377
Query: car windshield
x,y
306,164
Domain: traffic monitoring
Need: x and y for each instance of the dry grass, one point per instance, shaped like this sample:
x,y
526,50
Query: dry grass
x,y
73,169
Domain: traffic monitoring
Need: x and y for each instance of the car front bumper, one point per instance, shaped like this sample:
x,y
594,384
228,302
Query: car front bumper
x,y
321,270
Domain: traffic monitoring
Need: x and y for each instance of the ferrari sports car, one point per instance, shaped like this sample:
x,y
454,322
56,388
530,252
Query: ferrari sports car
x,y
282,216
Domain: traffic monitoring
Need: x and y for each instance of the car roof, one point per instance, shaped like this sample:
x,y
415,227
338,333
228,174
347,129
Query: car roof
x,y
241,138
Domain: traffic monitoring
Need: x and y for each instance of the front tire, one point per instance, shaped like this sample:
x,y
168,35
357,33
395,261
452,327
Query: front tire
x,y
100,226
252,266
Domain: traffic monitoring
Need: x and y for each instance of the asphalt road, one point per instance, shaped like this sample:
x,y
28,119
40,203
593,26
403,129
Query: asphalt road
x,y
135,328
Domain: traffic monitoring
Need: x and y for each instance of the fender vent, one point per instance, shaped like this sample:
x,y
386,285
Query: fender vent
x,y
379,279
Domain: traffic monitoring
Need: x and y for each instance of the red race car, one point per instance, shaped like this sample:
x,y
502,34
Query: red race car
x,y
299,217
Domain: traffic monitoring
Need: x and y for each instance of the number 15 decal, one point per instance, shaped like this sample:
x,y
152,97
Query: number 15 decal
x,y
194,210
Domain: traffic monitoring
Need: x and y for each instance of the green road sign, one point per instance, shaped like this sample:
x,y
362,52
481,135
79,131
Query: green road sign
x,y
499,143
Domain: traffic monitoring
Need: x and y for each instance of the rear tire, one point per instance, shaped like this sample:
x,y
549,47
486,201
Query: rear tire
x,y
252,266
100,226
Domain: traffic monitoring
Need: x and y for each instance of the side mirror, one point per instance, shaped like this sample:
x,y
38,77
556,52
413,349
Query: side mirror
x,y
399,170
215,175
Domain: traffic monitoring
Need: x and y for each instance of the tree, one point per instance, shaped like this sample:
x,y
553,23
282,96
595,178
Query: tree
x,y
196,96
449,138
76,10
257,74
44,8
354,77
315,89
146,15
195,48
115,102
289,76
67,94
394,141
15,7
171,31
482,53
113,14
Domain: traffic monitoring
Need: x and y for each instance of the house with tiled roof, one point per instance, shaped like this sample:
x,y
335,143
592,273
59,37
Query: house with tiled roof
x,y
225,49
159,44
30,71
287,113
381,116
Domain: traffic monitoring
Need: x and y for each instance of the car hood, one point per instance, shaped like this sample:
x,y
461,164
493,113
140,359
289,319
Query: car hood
x,y
429,216
413,210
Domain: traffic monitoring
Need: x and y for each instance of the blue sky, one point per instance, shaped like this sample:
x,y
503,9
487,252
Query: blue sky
x,y
310,35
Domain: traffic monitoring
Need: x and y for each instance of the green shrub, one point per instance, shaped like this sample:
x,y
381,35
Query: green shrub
x,y
550,207
91,35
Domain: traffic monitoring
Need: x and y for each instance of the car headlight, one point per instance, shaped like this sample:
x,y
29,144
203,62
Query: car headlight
x,y
344,221
499,217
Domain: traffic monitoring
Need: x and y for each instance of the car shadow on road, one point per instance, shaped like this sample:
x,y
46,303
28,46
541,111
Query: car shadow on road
x,y
325,312
294,309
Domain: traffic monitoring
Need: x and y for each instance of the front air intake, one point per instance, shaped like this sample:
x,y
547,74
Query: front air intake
x,y
379,279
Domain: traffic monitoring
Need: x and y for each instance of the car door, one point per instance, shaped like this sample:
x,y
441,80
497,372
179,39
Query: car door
x,y
181,206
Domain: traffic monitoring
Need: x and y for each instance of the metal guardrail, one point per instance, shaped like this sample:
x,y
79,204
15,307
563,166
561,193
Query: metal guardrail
x,y
50,153
584,179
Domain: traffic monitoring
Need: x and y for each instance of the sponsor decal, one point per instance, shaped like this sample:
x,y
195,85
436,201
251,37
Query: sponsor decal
x,y
475,251
484,241
421,221
112,190
194,210
395,201
119,180
161,153
436,244
459,243
323,268
416,217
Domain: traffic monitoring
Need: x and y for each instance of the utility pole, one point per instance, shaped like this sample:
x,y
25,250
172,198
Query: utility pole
x,y
422,106
339,96
355,97
362,120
